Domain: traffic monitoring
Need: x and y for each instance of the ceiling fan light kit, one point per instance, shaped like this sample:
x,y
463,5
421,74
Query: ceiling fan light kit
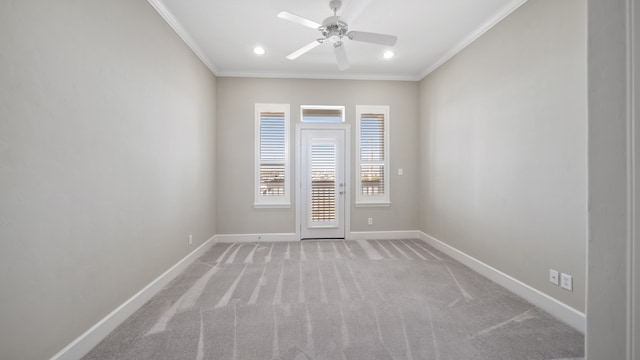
x,y
334,29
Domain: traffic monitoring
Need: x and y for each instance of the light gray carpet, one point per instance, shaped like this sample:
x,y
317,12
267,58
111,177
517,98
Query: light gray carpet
x,y
399,299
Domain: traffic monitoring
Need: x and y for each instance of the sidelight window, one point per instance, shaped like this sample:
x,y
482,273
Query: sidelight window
x,y
272,156
372,161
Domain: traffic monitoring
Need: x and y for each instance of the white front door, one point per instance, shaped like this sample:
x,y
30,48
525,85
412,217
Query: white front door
x,y
323,187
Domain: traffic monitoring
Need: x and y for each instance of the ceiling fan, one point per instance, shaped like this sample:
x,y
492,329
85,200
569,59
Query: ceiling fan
x,y
334,29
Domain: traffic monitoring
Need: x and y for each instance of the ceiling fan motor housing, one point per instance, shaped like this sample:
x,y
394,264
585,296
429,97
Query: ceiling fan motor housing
x,y
333,29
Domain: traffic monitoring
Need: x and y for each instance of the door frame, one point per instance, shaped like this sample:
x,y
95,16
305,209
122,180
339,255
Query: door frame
x,y
347,172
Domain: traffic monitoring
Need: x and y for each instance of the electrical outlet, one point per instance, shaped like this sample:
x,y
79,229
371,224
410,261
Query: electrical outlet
x,y
553,277
190,239
370,221
566,281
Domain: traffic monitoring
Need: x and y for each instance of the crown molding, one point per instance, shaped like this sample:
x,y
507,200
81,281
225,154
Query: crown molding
x,y
162,9
506,11
320,76
166,14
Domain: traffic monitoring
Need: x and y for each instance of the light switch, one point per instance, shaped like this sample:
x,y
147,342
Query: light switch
x,y
400,172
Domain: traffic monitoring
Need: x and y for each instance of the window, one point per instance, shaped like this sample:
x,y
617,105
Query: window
x,y
321,113
272,156
372,160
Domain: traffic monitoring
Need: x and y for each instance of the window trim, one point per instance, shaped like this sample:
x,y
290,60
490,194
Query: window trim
x,y
372,200
272,201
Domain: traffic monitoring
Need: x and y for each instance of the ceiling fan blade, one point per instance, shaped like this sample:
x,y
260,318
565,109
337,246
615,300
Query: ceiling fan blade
x,y
303,50
381,39
298,19
341,56
352,9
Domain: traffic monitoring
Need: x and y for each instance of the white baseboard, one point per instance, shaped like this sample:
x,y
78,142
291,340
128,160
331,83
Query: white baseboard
x,y
383,235
557,309
87,341
92,337
354,235
270,237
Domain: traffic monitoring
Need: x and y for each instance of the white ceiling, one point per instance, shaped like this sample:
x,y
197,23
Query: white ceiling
x,y
223,34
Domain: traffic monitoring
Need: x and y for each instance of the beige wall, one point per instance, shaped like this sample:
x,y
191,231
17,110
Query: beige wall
x,y
107,162
503,143
235,162
115,140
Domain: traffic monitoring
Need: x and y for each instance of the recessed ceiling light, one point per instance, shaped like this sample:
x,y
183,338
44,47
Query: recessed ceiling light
x,y
388,54
259,50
